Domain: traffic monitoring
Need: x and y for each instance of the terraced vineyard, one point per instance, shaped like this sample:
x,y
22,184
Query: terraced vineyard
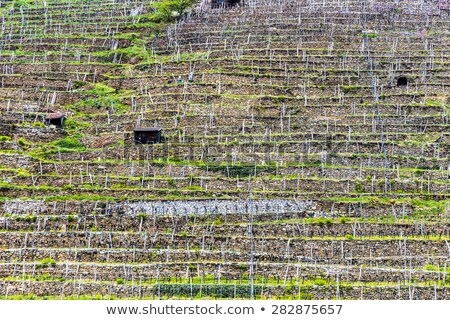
x,y
306,158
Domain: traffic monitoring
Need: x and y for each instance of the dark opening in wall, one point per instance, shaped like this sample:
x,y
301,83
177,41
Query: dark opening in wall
x,y
147,135
402,81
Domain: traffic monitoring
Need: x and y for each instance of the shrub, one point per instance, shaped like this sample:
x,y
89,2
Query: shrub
x,y
45,263
349,236
120,281
172,183
30,218
171,10
78,84
5,138
192,268
430,267
27,218
343,220
325,222
22,142
38,124
22,3
369,35
359,188
142,216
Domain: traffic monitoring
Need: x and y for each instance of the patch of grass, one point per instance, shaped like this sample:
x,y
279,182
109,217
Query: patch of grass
x,y
45,263
104,101
351,88
75,124
430,267
433,102
68,143
101,89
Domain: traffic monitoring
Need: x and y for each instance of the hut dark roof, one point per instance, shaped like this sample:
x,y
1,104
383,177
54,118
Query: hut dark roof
x,y
56,115
147,129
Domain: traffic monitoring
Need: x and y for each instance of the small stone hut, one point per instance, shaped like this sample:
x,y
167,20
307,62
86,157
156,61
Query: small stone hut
x,y
147,135
56,119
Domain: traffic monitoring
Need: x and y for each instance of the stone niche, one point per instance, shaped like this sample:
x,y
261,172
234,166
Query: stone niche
x,y
147,135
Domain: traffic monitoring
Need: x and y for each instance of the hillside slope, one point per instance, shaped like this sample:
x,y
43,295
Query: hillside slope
x,y
308,158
